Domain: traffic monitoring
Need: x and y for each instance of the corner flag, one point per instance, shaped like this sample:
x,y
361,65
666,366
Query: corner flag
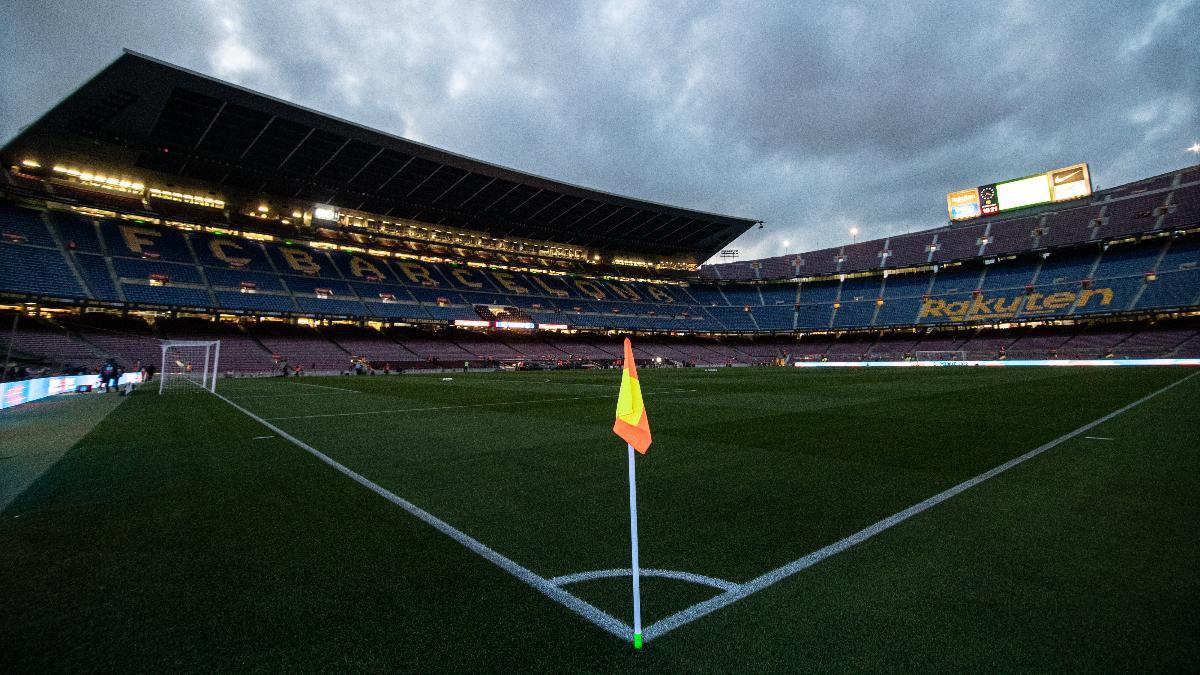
x,y
634,428
632,424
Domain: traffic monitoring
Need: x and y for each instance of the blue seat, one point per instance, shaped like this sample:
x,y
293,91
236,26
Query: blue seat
x,y
95,273
233,278
26,224
255,301
166,295
77,229
129,268
39,271
334,306
134,239
854,314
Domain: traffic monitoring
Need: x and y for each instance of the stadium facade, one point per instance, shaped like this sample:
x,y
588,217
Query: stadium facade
x,y
155,202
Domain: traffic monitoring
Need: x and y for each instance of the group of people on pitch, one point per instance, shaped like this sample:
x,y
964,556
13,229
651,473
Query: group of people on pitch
x,y
111,372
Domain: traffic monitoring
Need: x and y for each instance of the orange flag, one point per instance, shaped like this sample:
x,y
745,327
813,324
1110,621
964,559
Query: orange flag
x,y
631,423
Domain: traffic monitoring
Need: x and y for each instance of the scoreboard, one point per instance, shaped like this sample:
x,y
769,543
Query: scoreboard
x,y
1071,182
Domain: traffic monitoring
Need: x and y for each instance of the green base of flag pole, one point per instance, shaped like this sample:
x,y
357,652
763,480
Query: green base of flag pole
x,y
637,640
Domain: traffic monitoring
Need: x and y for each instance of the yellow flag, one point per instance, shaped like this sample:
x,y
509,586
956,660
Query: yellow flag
x,y
632,424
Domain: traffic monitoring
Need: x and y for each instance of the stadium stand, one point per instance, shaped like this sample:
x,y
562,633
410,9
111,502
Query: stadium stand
x,y
240,353
396,252
39,341
130,340
300,345
1104,279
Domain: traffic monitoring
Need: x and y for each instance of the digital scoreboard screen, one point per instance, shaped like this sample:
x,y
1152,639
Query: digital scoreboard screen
x,y
1058,185
1023,192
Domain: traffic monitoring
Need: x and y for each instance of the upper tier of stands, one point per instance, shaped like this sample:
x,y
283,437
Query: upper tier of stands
x,y
1160,203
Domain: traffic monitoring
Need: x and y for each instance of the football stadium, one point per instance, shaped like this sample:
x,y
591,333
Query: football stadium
x,y
285,392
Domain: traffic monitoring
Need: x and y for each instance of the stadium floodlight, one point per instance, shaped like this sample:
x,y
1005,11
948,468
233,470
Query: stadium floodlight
x,y
1195,148
324,213
853,234
189,366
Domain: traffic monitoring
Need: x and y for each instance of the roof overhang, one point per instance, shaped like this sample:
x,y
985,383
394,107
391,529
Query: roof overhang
x,y
172,127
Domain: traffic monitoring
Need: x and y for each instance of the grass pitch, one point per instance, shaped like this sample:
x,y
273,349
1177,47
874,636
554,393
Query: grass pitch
x,y
175,536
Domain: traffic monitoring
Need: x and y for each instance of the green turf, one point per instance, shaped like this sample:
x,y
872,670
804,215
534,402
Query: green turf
x,y
34,436
171,538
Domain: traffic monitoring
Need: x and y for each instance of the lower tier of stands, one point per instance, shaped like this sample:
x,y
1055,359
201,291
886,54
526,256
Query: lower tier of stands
x,y
261,347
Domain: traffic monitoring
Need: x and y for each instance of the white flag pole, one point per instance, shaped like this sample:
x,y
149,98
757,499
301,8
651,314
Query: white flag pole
x,y
633,535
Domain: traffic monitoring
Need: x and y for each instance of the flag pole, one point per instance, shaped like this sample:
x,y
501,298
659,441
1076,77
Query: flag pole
x,y
633,535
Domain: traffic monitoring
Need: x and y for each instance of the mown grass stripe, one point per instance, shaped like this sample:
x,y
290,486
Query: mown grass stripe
x,y
684,617
584,609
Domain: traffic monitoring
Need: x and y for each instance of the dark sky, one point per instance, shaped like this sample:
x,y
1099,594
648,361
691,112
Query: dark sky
x,y
810,116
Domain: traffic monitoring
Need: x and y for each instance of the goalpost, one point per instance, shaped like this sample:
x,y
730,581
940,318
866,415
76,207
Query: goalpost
x,y
189,366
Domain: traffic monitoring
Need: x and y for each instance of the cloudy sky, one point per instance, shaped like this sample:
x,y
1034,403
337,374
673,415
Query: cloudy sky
x,y
813,117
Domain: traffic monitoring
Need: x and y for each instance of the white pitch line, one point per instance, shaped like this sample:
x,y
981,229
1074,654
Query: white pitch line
x,y
468,405
681,618
627,572
584,609
1099,438
297,395
531,380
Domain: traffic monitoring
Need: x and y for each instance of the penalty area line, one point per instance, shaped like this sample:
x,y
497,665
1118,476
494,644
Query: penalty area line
x,y
686,616
584,609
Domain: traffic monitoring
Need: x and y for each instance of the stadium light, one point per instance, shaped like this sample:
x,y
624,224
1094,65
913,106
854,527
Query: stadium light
x,y
263,208
31,163
853,234
1195,148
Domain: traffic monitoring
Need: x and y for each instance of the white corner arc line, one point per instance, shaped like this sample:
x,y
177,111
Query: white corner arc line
x,y
584,609
467,405
700,579
683,617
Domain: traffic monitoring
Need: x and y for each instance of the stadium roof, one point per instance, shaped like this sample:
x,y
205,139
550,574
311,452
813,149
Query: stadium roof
x,y
141,115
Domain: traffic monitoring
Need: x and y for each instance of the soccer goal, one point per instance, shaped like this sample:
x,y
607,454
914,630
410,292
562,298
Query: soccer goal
x,y
189,366
940,356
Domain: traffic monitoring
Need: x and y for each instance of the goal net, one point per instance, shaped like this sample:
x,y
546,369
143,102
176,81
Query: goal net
x,y
189,366
940,356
